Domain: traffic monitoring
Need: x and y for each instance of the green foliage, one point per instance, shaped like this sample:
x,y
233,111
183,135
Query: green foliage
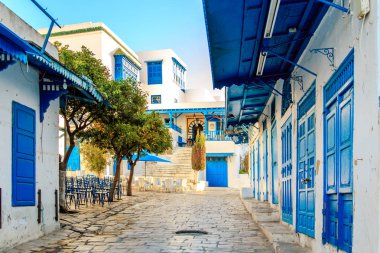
x,y
94,158
126,129
244,164
198,154
83,63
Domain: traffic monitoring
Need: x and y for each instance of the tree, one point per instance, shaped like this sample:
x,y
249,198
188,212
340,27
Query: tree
x,y
152,136
78,115
94,158
198,155
125,129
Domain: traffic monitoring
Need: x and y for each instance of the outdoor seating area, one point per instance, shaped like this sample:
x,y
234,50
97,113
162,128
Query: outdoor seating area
x,y
90,190
160,184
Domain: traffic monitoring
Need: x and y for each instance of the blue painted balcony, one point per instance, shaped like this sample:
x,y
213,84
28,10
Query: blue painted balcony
x,y
218,135
174,127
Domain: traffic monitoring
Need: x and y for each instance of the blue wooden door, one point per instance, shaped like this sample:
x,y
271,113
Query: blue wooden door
x,y
275,188
257,169
217,172
305,175
253,166
23,155
286,171
264,188
338,179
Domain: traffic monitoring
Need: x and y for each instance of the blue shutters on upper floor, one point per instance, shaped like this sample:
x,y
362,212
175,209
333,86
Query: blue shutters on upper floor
x,y
23,155
286,171
155,72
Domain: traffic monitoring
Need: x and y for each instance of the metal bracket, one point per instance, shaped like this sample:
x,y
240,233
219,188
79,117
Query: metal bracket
x,y
53,21
328,52
336,6
299,80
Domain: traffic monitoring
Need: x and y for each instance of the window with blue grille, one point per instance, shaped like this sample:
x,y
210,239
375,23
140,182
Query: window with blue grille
x,y
155,99
179,74
125,68
155,72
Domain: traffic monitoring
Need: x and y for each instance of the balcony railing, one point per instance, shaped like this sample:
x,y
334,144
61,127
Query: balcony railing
x,y
218,135
174,127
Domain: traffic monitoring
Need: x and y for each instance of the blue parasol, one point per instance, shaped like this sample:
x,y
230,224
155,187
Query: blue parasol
x,y
145,156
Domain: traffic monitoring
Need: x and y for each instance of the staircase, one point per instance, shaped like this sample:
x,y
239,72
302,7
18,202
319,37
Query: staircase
x,y
180,167
282,238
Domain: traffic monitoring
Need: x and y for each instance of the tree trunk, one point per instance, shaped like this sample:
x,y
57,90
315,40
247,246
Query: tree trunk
x,y
116,177
130,179
62,176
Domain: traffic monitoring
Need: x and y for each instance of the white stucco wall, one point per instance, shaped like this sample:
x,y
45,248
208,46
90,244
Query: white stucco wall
x,y
344,33
168,90
20,223
103,43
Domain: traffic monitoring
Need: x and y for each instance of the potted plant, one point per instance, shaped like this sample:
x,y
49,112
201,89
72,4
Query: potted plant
x,y
198,159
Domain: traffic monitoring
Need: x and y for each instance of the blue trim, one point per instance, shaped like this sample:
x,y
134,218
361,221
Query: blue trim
x,y
307,101
338,195
125,68
207,111
274,154
291,62
303,225
154,72
178,63
23,155
219,154
152,99
336,6
286,171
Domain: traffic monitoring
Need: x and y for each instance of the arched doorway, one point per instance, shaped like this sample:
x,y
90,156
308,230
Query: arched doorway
x,y
196,130
193,128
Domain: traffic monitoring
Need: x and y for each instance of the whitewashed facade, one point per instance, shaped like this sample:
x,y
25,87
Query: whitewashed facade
x,y
346,34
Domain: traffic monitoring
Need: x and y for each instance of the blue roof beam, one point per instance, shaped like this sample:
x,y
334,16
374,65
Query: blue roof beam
x,y
261,95
291,62
336,6
53,21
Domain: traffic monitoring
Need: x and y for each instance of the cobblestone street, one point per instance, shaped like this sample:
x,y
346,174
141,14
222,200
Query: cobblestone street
x,y
147,222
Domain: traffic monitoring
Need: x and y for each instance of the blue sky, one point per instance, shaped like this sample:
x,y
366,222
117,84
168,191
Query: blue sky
x,y
142,24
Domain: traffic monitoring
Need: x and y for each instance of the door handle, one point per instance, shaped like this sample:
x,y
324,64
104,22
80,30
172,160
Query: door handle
x,y
305,180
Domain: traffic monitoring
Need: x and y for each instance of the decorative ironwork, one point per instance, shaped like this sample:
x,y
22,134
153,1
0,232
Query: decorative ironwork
x,y
299,80
328,52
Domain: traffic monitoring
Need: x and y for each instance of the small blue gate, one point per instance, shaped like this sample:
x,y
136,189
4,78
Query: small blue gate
x,y
216,171
257,169
286,171
275,182
338,179
306,165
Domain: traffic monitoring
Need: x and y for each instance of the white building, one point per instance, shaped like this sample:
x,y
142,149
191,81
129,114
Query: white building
x,y
30,83
163,76
309,83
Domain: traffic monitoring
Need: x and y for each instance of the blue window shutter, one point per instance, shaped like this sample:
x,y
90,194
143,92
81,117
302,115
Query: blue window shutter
x,y
155,72
23,155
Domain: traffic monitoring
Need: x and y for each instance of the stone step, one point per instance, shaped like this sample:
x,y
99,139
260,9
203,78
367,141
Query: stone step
x,y
283,239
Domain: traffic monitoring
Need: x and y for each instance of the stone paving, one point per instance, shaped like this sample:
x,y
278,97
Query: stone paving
x,y
148,221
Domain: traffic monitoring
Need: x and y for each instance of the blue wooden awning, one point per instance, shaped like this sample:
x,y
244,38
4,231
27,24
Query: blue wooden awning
x,y
14,46
248,59
57,81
